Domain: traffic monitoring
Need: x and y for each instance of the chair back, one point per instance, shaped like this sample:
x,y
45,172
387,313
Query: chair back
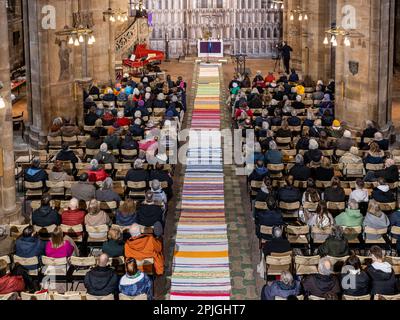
x,y
336,205
137,185
83,262
38,296
89,297
67,296
289,206
141,297
26,261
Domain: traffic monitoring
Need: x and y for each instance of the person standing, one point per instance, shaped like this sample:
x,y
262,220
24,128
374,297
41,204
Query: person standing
x,y
286,55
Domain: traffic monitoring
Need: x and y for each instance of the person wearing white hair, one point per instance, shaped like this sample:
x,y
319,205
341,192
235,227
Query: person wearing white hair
x,y
351,157
285,287
382,143
298,104
313,154
137,174
300,172
159,195
323,283
136,93
160,101
105,157
96,173
106,193
346,142
273,155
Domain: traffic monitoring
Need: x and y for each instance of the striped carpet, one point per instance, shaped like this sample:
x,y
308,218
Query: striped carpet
x,y
201,261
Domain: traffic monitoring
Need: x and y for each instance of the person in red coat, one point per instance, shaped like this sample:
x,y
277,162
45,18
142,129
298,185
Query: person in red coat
x,y
10,283
122,121
73,216
96,174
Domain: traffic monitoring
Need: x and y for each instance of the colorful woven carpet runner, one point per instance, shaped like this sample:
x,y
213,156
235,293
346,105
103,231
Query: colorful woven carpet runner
x,y
201,261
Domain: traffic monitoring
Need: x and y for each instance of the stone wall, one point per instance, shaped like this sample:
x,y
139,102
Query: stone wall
x,y
397,34
16,36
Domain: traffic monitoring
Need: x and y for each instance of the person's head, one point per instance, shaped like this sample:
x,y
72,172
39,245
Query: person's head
x,y
94,165
347,134
354,262
138,164
285,125
98,123
374,209
134,230
338,233
299,159
289,181
114,234
257,147
73,204
298,98
313,145
128,207
374,148
273,145
155,185
108,184
271,203
322,209
104,147
46,199
277,232
369,124
149,196
336,124
83,177
325,267
378,136
382,181
287,278
82,205
335,182
103,260
131,267
57,237
36,163
28,232
376,254
360,184
94,207
354,151
65,146
389,163
353,204
326,163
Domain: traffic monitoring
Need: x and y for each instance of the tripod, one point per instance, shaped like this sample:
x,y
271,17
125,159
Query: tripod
x,y
278,64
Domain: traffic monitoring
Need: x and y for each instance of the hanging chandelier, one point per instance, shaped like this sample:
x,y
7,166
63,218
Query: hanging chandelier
x,y
115,15
277,4
336,33
81,31
302,14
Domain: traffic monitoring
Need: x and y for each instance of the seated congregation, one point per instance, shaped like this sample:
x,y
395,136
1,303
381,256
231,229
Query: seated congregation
x,y
99,198
324,196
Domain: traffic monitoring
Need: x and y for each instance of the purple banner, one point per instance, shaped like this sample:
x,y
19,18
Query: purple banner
x,y
210,47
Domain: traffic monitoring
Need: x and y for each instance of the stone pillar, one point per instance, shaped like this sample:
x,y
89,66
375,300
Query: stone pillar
x,y
292,31
397,34
366,94
9,211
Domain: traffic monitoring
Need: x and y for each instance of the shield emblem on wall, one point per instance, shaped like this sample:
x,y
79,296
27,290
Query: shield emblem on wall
x,y
353,67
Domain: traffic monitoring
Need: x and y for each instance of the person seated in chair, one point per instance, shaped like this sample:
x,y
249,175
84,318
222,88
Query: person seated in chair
x,y
114,247
35,174
69,129
323,283
352,217
278,244
91,116
106,193
150,212
259,173
137,130
336,245
129,144
73,216
382,143
294,77
137,174
135,283
294,120
96,173
382,193
299,171
375,219
346,142
313,154
144,246
66,154
94,142
335,193
283,288
288,193
390,173
270,217
29,246
101,280
10,282
104,156
353,273
273,155
382,275
83,190
46,216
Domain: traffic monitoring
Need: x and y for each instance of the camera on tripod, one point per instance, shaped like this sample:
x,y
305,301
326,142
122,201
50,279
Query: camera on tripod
x,y
278,51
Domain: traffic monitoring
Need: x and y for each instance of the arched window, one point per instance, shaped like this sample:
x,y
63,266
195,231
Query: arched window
x,y
220,4
249,34
262,33
243,34
237,34
255,33
269,33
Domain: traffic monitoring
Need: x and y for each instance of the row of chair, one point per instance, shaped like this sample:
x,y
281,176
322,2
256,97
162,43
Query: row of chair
x,y
69,296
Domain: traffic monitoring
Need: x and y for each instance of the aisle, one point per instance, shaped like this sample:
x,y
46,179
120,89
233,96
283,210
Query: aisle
x,y
201,259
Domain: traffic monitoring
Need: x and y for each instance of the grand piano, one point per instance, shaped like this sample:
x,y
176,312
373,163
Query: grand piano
x,y
143,57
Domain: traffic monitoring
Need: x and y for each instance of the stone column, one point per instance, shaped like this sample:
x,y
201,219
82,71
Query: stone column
x,y
9,211
366,94
397,34
292,33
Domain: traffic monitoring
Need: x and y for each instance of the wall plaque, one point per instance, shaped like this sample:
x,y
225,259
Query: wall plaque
x,y
354,67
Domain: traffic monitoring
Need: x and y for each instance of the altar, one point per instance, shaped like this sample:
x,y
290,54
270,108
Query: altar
x,y
210,48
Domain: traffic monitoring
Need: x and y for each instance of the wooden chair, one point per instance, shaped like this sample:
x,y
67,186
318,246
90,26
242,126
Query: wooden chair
x,y
255,187
108,206
352,234
324,233
359,298
328,153
19,228
146,266
26,262
137,189
276,170
315,298
129,154
91,153
306,265
54,142
301,298
71,141
323,184
122,170
353,171
395,231
7,260
386,297
55,269
335,260
336,206
141,297
275,265
289,206
81,267
56,188
265,231
375,232
261,205
75,232
97,234
300,184
8,296
310,206
38,296
67,296
298,235
110,297
33,189
386,207
395,262
374,167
